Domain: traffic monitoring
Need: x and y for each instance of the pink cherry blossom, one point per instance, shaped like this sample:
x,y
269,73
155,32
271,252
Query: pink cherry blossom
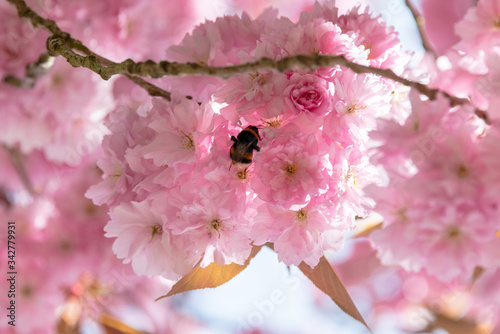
x,y
16,37
182,133
480,23
298,235
258,92
379,39
440,19
290,171
213,225
47,119
141,238
351,173
309,94
358,100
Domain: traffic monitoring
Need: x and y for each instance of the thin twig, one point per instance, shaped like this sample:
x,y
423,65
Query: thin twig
x,y
149,87
34,71
17,160
4,198
420,21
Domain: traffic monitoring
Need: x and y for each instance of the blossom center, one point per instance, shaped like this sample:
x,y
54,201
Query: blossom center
x,y
155,229
117,172
416,126
215,225
65,245
401,214
260,78
355,107
308,97
57,80
273,122
242,174
27,291
301,217
350,177
187,141
290,170
90,208
453,232
462,171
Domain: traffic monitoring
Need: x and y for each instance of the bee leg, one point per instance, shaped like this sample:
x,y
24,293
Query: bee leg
x,y
233,138
255,147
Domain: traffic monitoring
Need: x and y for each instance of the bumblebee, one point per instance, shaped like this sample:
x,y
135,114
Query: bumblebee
x,y
241,152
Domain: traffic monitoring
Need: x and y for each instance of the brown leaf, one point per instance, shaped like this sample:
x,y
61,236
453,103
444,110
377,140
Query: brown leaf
x,y
69,321
456,326
327,280
211,276
478,272
113,325
367,229
64,328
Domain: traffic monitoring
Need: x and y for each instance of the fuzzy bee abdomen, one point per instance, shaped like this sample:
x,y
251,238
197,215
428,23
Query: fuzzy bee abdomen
x,y
242,150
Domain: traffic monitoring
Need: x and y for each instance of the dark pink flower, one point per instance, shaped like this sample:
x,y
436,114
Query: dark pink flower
x,y
310,94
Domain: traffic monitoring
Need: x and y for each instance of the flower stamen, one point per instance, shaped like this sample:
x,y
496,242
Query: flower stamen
x,y
351,177
355,107
401,214
214,225
117,172
155,229
290,170
187,143
242,174
301,217
453,232
462,171
273,122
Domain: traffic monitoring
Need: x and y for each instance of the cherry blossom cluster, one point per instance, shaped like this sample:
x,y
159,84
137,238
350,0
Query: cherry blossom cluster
x,y
437,200
175,197
440,202
333,145
417,301
50,135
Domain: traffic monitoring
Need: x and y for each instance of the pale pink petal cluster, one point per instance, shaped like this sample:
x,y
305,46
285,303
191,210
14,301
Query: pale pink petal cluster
x,y
16,38
141,238
330,146
305,185
440,19
62,115
438,164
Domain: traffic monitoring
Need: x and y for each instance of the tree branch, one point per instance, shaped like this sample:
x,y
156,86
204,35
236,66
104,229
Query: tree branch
x,y
61,43
150,69
24,11
420,21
